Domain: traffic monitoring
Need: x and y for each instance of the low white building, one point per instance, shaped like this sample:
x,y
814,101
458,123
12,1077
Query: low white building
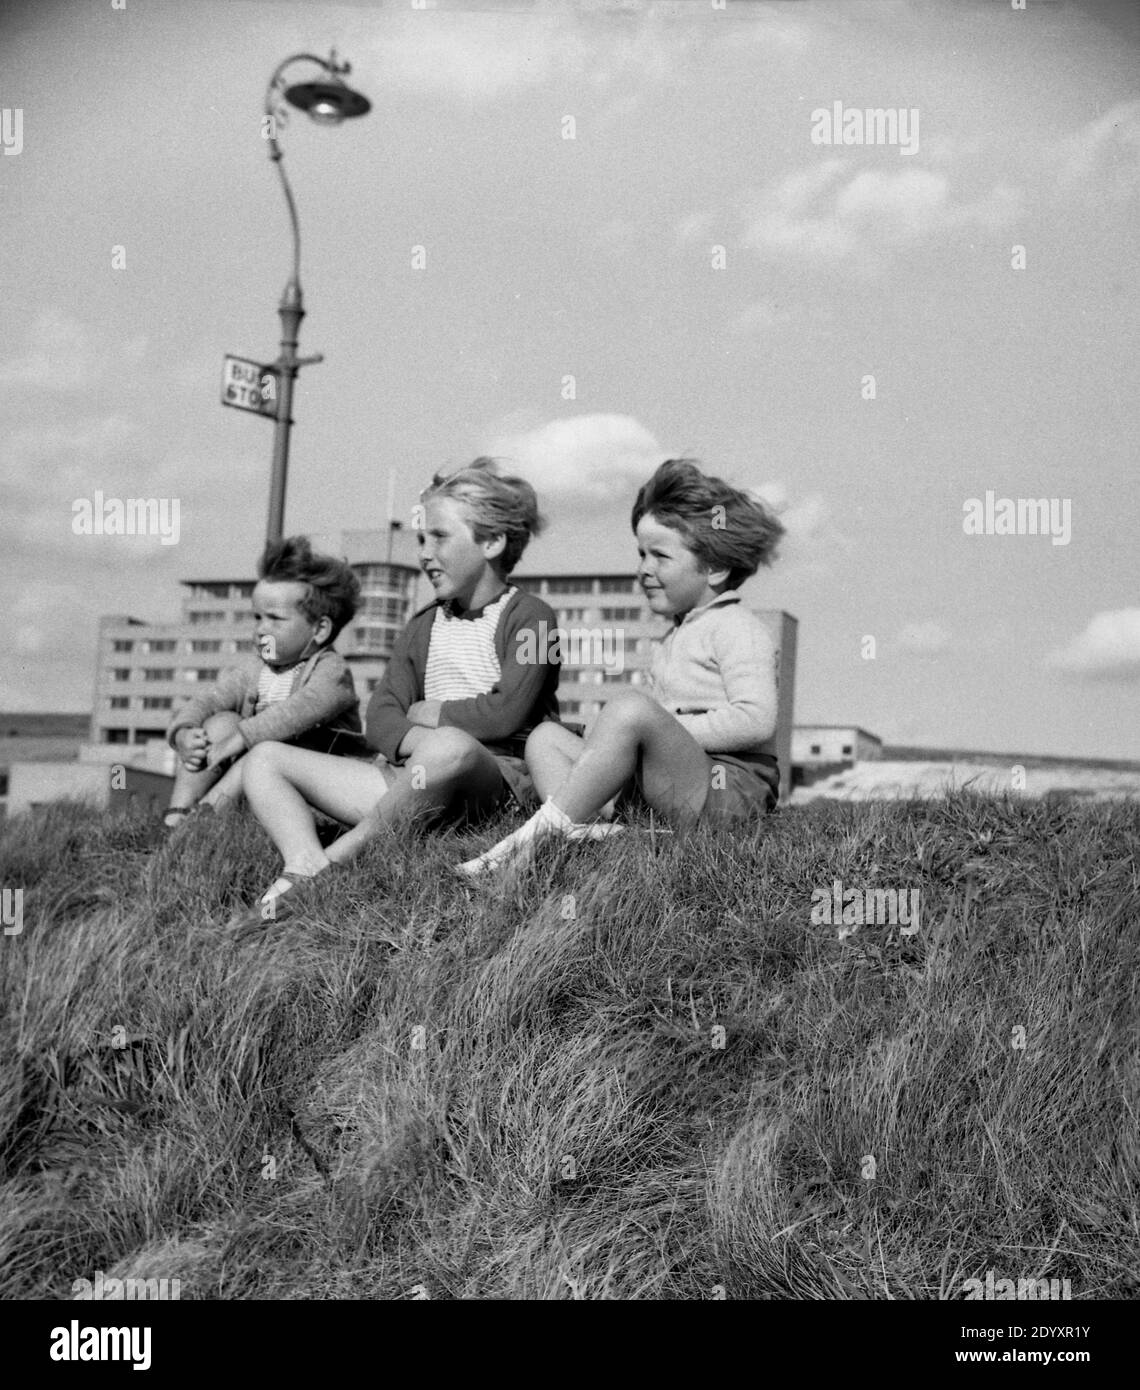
x,y
815,745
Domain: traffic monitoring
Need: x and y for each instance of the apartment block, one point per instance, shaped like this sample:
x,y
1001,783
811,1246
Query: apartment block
x,y
605,632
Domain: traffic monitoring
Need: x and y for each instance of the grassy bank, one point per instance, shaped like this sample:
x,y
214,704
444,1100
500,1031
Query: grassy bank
x,y
640,1071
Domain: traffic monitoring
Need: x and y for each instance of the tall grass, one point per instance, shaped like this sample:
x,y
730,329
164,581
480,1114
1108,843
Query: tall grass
x,y
637,1070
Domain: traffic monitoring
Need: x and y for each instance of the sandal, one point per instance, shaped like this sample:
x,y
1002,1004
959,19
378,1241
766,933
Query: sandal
x,y
284,907
185,813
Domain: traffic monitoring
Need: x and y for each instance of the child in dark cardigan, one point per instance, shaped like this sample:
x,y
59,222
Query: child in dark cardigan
x,y
454,708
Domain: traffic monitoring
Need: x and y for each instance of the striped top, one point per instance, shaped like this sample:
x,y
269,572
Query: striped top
x,y
274,686
462,661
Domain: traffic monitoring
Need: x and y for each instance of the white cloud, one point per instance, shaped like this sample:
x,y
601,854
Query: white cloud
x,y
827,213
482,55
596,458
1106,150
61,354
1109,648
922,639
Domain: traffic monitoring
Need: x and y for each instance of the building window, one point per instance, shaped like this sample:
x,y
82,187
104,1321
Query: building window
x,y
121,673
617,586
203,673
815,748
569,586
121,645
120,702
158,673
617,615
208,615
572,615
243,645
212,644
149,735
569,706
157,702
162,644
212,590
385,610
242,590
613,677
118,736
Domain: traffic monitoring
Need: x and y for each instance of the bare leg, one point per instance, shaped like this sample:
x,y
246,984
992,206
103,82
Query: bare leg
x,y
634,735
551,751
447,770
191,787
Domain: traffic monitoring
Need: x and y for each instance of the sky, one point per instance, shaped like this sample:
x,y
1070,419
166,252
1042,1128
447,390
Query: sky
x,y
585,238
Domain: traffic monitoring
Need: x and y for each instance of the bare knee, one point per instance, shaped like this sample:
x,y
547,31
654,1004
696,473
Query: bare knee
x,y
540,738
263,756
221,725
447,755
631,709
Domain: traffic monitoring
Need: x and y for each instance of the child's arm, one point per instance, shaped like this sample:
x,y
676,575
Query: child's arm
x,y
386,721
517,696
228,693
746,658
329,691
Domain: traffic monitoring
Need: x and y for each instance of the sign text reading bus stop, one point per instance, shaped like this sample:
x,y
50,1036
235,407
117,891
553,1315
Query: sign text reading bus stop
x,y
248,385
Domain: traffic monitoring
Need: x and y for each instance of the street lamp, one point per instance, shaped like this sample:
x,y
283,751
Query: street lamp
x,y
328,101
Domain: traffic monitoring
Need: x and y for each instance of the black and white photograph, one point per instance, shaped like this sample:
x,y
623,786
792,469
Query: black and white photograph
x,y
572,731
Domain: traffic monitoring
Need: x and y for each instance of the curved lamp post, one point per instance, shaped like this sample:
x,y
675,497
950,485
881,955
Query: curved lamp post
x,y
328,101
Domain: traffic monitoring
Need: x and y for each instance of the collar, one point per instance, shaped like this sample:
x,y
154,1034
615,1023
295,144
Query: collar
x,y
721,600
451,611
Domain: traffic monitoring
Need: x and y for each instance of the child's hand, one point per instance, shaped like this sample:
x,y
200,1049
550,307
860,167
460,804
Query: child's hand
x,y
191,745
229,747
425,713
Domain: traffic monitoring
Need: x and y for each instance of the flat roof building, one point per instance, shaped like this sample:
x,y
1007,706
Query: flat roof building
x,y
145,670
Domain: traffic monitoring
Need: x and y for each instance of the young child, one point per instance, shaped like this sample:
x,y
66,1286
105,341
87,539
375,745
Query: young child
x,y
450,717
301,692
695,748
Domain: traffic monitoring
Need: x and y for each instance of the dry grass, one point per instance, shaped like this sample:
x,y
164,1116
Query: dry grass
x,y
521,1091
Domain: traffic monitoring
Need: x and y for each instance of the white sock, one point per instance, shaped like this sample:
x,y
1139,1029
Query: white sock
x,y
547,820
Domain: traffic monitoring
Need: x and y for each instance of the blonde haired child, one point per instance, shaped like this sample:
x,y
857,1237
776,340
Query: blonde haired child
x,y
697,747
451,715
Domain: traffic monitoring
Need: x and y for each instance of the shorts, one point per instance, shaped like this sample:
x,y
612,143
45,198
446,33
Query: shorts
x,y
739,789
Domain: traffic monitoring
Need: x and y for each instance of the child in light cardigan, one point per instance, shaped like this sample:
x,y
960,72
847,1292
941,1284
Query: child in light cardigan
x,y
698,745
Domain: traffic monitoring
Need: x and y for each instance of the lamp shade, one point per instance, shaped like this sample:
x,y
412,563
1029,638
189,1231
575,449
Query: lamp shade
x,y
328,103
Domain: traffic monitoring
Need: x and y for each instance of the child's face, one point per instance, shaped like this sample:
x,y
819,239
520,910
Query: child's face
x,y
284,634
672,578
450,556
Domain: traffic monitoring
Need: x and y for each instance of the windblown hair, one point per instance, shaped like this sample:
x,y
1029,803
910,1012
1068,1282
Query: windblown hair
x,y
333,588
725,528
498,505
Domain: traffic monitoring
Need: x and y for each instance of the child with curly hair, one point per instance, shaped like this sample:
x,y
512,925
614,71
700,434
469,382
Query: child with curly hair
x,y
301,692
